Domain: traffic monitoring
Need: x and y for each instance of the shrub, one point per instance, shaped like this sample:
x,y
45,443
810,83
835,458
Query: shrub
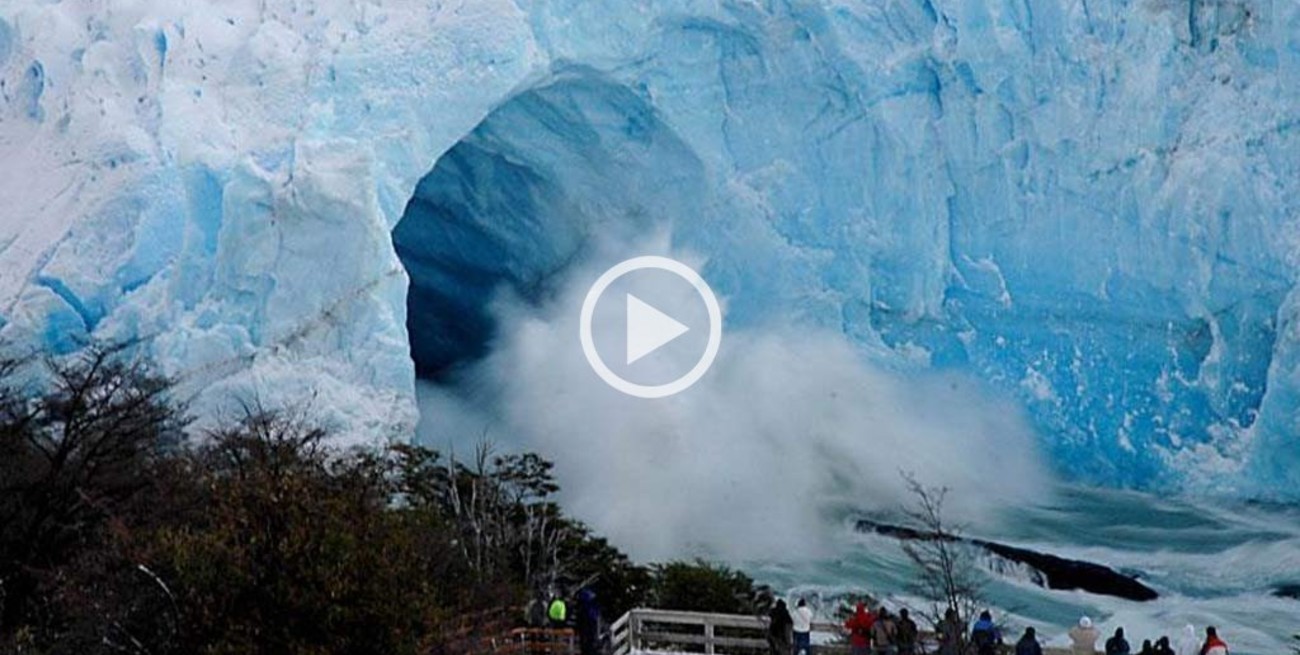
x,y
700,586
74,456
116,535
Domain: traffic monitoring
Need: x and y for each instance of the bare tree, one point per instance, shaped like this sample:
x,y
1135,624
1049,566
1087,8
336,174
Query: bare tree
x,y
947,575
504,510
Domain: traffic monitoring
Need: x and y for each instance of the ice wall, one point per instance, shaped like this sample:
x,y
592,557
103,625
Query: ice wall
x,y
1091,205
220,180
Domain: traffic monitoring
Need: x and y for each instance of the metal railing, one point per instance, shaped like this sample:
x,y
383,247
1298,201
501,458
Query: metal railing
x,y
649,630
644,630
665,630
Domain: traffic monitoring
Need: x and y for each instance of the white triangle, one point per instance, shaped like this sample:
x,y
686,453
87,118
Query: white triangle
x,y
648,329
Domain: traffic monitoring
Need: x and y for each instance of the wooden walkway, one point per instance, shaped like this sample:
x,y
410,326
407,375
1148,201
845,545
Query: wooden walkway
x,y
644,631
497,632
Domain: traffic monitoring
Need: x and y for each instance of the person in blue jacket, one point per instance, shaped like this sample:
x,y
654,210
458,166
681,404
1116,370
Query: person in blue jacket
x,y
985,636
588,623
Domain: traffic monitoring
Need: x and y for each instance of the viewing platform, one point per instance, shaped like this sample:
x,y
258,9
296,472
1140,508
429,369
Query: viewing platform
x,y
667,631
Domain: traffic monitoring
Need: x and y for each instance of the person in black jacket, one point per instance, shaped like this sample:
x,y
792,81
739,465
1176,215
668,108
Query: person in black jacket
x,y
1118,645
1028,644
780,629
1163,647
906,633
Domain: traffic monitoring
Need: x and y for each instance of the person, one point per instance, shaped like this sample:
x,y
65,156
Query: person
x,y
950,631
1028,644
779,625
1163,647
802,617
1213,644
1118,645
1083,637
1147,648
588,623
557,612
985,636
859,626
906,634
1189,643
883,633
535,612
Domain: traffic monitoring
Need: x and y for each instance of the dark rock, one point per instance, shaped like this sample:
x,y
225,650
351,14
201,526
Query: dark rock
x,y
1056,572
1289,590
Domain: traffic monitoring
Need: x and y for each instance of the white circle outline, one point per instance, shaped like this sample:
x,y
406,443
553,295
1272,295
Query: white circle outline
x,y
680,270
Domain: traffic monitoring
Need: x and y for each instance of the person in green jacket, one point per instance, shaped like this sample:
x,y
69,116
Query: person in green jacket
x,y
558,612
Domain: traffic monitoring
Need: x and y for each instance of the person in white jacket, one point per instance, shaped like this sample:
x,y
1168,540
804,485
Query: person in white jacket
x,y
1083,638
802,617
1189,643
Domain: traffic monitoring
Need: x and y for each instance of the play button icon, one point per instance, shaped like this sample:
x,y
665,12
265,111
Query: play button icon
x,y
648,329
654,326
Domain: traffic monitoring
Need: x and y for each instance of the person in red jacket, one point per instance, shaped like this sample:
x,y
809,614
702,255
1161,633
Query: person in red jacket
x,y
859,626
1213,644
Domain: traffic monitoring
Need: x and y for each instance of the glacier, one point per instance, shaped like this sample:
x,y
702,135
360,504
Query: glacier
x,y
1093,206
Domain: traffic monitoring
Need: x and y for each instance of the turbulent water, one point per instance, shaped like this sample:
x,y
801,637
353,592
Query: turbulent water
x,y
1213,564
795,434
709,474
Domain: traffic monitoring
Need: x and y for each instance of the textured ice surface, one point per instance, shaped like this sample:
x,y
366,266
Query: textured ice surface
x,y
1093,205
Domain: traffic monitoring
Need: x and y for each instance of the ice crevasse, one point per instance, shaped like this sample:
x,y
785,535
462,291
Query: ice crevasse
x,y
1093,205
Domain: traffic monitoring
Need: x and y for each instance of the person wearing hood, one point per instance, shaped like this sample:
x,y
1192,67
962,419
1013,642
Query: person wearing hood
x,y
1213,644
1083,638
1028,644
1147,648
1189,643
859,626
985,636
779,627
1118,645
1163,647
588,623
803,618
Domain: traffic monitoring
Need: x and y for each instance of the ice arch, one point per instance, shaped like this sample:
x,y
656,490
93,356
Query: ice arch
x,y
516,200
